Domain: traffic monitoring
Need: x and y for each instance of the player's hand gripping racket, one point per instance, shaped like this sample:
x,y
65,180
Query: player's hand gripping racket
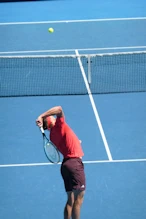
x,y
50,149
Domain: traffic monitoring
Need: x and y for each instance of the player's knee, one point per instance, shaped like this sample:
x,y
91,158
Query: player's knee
x,y
77,205
70,199
79,196
70,202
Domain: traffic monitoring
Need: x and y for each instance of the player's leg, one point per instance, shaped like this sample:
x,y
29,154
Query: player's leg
x,y
78,200
69,205
68,187
73,204
78,186
72,172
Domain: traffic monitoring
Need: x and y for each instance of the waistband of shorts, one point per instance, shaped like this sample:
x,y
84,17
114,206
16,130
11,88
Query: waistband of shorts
x,y
70,158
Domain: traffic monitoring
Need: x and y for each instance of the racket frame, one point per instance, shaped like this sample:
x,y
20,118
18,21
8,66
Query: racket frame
x,y
46,139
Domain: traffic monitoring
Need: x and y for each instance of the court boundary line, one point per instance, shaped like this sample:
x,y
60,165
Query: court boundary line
x,y
72,50
94,107
73,21
85,162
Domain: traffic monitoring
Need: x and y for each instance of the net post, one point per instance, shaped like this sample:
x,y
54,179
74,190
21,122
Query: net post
x,y
89,69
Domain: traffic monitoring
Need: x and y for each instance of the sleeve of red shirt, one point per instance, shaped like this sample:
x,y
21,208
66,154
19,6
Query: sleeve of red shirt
x,y
60,120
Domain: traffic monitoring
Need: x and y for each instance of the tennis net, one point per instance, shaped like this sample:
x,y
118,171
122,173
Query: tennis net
x,y
62,75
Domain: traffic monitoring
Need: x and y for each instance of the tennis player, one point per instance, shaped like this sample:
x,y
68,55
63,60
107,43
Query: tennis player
x,y
72,168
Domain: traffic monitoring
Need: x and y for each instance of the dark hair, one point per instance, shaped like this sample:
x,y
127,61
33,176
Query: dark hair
x,y
45,124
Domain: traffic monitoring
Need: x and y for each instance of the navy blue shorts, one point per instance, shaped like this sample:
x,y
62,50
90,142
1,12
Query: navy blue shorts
x,y
72,171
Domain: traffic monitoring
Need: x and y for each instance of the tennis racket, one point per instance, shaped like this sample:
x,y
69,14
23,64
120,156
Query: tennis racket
x,y
50,149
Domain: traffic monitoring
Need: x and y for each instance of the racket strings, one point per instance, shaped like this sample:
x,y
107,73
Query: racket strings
x,y
51,152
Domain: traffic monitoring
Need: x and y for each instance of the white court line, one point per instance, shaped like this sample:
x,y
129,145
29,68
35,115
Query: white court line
x,y
85,162
94,108
72,50
74,21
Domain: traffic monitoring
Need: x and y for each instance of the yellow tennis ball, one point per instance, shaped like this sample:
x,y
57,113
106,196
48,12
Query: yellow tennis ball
x,y
51,30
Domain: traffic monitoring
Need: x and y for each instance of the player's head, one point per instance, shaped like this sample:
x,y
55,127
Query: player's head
x,y
48,122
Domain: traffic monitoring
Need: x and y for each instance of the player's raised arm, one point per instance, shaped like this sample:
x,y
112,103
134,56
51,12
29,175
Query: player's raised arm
x,y
57,110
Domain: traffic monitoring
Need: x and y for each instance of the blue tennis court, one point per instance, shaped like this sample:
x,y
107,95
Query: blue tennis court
x,y
108,117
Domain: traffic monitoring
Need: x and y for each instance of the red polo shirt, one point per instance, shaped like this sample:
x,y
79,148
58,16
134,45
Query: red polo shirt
x,y
65,139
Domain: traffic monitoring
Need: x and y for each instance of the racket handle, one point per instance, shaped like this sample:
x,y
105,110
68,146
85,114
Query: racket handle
x,y
42,130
